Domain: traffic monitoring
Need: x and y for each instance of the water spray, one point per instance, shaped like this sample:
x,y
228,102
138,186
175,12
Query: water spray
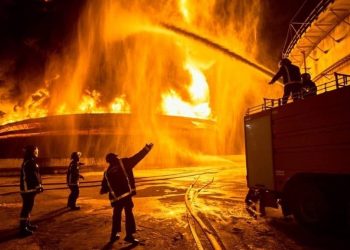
x,y
216,46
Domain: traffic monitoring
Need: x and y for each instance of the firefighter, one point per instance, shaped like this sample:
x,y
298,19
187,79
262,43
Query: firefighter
x,y
291,80
119,181
309,87
73,177
30,185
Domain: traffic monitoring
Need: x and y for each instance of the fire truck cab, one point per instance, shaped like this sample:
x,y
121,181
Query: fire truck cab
x,y
298,154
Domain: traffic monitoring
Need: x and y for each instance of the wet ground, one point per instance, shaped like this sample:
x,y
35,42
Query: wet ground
x,y
160,213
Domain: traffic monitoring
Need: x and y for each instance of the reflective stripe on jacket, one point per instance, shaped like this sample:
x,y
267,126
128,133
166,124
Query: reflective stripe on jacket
x,y
290,74
73,174
119,179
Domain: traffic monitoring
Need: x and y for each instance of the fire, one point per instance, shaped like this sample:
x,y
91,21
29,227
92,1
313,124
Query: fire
x,y
120,105
31,108
123,61
91,102
184,10
198,106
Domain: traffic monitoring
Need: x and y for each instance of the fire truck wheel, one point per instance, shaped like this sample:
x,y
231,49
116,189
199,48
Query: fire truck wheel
x,y
310,205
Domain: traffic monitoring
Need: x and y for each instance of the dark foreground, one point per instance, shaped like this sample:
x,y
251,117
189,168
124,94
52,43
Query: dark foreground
x,y
160,214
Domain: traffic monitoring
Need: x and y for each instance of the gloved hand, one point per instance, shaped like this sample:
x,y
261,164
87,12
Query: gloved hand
x,y
40,190
270,82
149,146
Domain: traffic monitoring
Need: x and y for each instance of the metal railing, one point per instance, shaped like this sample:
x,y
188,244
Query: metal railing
x,y
303,26
340,81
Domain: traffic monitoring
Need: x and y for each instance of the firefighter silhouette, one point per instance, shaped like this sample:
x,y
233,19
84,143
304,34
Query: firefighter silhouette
x,y
119,181
291,79
30,185
308,86
73,177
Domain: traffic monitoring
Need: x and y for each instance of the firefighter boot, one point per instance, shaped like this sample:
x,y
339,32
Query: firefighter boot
x,y
115,237
131,239
74,207
31,227
24,230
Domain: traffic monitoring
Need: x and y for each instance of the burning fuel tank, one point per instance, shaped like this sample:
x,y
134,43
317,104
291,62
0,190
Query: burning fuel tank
x,y
95,135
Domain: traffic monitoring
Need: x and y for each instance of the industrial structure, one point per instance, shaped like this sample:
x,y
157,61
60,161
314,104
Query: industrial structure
x,y
320,45
95,135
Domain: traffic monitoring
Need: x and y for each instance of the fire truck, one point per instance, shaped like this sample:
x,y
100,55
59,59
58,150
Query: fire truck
x,y
298,155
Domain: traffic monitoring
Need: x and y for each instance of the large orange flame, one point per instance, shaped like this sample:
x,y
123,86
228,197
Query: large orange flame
x,y
198,105
124,61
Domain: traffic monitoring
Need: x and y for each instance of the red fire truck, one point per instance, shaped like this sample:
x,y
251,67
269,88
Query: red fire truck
x,y
298,155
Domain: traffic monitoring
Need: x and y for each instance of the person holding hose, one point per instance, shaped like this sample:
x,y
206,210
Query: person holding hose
x,y
291,80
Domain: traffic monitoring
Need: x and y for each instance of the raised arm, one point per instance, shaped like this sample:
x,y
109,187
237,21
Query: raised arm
x,y
133,160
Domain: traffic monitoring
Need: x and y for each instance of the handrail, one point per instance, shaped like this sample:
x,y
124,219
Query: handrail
x,y
340,81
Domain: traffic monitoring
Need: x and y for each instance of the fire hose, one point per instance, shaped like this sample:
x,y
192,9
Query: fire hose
x,y
97,183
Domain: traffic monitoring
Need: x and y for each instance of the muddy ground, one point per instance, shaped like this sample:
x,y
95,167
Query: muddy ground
x,y
160,214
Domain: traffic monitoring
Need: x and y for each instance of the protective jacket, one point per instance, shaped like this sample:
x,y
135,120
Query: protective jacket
x,y
290,74
73,174
119,179
30,180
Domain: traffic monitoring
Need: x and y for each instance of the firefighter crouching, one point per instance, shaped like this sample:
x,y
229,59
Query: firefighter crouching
x,y
119,181
73,177
30,185
309,87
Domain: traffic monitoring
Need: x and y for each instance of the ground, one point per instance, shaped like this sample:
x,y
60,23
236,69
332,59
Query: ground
x,y
160,212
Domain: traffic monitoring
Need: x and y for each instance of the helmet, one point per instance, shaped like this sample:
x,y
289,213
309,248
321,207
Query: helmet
x,y
111,157
29,151
284,61
306,76
75,155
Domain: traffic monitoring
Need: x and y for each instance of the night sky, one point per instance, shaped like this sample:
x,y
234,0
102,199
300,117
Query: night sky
x,y
277,15
33,29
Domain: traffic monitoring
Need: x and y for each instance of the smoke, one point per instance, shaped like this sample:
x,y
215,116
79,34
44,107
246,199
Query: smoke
x,y
31,33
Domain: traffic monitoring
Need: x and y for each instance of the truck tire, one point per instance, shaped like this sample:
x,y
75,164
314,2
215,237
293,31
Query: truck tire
x,y
310,205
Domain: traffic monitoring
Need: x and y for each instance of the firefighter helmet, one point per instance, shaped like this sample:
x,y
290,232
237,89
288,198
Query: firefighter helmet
x,y
30,151
306,76
75,155
284,61
111,157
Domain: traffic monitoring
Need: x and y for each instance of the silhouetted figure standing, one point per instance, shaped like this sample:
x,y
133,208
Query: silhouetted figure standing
x,y
30,185
119,181
73,176
291,80
309,87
